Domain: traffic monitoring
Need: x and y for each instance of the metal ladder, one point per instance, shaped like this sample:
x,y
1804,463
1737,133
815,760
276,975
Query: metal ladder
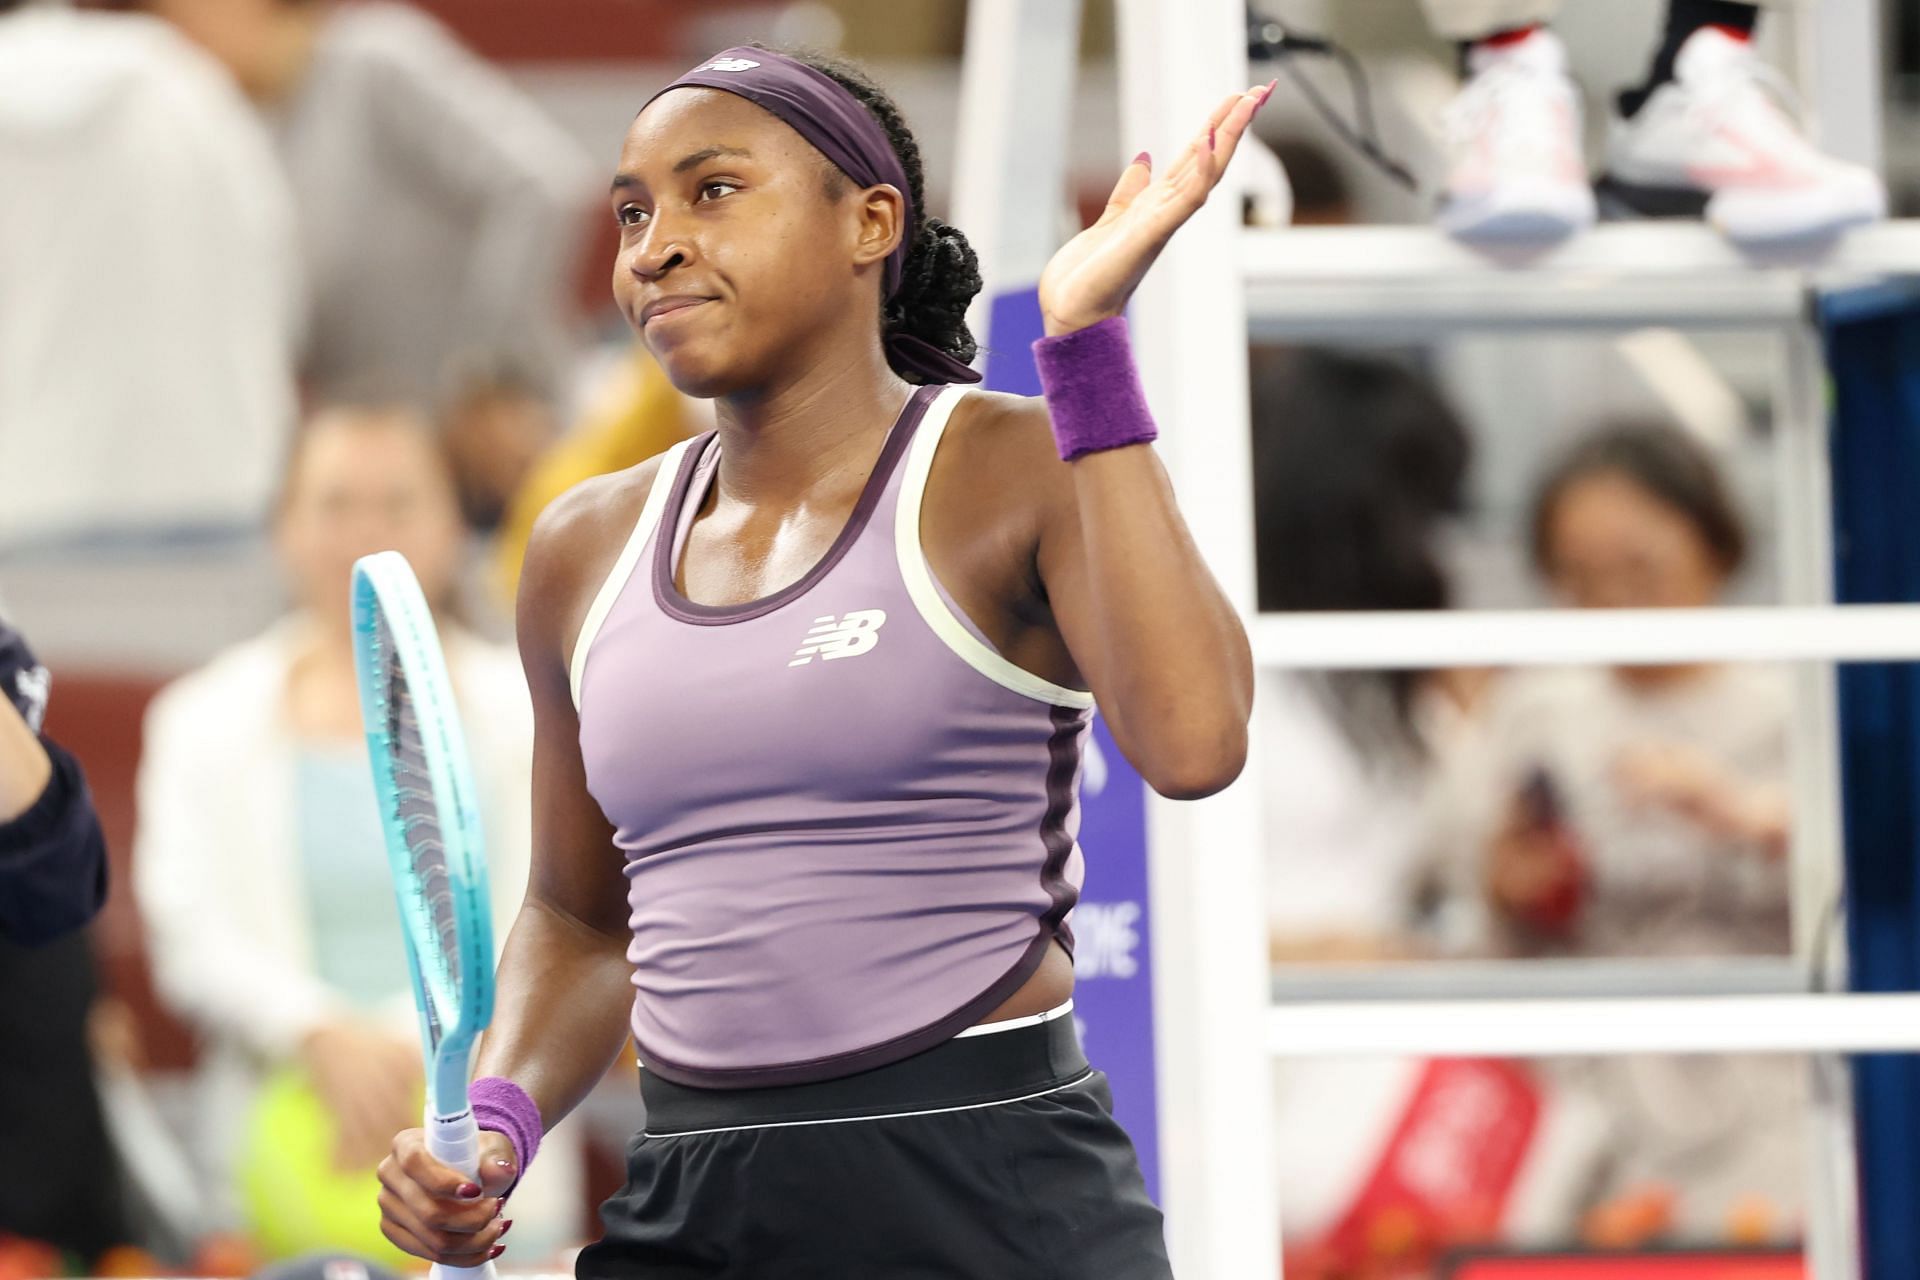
x,y
1218,1029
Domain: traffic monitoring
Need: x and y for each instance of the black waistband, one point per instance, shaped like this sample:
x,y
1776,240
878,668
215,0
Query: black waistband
x,y
965,1071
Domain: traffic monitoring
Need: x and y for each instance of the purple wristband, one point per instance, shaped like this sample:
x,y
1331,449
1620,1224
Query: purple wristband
x,y
504,1107
1093,391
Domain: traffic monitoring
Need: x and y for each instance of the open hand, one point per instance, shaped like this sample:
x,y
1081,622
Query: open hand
x,y
1093,274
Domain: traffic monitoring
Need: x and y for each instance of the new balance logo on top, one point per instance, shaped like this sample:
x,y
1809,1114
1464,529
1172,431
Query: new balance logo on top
x,y
33,684
731,64
846,637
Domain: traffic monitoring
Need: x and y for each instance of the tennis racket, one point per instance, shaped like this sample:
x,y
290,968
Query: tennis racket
x,y
426,792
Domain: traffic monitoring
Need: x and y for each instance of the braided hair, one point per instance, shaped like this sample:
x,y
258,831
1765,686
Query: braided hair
x,y
941,275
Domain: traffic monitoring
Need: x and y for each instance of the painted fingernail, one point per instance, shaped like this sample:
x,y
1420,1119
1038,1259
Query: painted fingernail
x,y
1267,93
1144,158
468,1191
496,1251
1209,137
505,1227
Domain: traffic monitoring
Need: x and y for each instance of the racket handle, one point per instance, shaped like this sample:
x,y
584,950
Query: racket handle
x,y
455,1141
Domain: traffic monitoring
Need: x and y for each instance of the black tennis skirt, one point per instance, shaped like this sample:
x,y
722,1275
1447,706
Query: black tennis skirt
x,y
990,1157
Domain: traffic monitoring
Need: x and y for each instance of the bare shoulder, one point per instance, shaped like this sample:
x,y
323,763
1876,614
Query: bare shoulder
x,y
1002,421
1005,442
570,551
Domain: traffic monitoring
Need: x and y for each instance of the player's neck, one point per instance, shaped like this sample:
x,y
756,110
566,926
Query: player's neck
x,y
783,443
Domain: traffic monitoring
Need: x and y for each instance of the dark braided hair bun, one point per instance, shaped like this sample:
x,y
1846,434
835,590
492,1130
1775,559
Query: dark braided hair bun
x,y
941,274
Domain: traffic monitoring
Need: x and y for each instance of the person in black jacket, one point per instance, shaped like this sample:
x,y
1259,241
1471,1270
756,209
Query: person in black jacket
x,y
53,861
61,1180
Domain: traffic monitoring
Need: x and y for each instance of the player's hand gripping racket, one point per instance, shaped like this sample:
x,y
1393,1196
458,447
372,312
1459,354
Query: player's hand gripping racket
x,y
426,793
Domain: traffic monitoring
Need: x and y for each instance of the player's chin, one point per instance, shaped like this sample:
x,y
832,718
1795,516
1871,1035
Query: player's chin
x,y
704,370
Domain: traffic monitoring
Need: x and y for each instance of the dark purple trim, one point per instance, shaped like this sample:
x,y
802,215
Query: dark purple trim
x,y
879,1055
1063,766
676,605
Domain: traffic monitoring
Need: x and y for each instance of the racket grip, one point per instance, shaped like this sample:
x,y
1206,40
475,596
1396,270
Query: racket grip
x,y
455,1141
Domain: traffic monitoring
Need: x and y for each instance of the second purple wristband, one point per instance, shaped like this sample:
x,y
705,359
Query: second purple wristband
x,y
1093,390
504,1107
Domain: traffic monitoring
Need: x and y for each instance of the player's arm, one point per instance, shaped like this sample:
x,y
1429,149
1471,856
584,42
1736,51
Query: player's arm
x,y
572,932
1149,628
563,988
53,863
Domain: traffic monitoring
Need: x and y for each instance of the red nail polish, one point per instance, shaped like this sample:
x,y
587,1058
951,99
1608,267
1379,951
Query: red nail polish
x,y
496,1252
1209,137
468,1191
504,1229
1144,158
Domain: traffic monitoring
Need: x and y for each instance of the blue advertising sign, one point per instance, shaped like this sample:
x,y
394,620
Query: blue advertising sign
x,y
1113,997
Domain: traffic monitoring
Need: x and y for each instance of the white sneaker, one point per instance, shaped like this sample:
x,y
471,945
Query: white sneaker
x,y
1514,171
1717,141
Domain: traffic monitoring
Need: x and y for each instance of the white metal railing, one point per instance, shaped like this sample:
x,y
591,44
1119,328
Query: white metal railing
x,y
1216,285
1585,637
1542,1028
1325,280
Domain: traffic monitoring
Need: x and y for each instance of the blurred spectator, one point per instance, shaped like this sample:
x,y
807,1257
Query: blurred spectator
x,y
634,415
1642,812
60,1182
1357,463
260,862
496,431
441,213
147,322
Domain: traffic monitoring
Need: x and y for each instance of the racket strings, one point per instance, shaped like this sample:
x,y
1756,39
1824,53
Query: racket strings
x,y
418,813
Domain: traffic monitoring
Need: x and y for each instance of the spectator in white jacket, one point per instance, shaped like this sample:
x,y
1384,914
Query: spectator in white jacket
x,y
150,304
259,860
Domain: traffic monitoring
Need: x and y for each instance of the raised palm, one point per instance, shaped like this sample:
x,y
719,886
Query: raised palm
x,y
1093,274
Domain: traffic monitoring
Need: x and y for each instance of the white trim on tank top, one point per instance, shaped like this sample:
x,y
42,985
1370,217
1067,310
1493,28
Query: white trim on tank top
x,y
622,570
1014,1024
918,575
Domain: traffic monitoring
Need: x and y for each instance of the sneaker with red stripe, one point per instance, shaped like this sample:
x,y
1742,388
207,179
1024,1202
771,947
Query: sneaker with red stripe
x,y
1718,142
1515,172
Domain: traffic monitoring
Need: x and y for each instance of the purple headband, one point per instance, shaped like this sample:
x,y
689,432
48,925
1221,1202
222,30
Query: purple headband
x,y
819,109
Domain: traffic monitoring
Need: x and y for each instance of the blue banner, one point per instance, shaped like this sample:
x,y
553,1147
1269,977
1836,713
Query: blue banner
x,y
1873,350
1113,998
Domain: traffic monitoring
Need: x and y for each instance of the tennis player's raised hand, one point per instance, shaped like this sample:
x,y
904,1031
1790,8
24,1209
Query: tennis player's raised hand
x,y
1093,274
436,1212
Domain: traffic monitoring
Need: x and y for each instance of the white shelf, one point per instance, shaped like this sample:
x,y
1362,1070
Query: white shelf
x,y
1321,281
1585,637
1797,1024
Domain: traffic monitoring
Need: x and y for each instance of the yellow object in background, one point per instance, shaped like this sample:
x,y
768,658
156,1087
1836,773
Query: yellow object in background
x,y
295,1200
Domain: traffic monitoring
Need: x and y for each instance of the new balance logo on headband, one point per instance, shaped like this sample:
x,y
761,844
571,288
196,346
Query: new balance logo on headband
x,y
846,637
730,64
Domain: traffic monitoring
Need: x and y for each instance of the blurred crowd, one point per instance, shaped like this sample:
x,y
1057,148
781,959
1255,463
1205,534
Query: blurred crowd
x,y
311,273
1637,813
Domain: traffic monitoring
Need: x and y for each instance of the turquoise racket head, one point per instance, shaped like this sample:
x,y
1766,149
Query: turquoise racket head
x,y
427,807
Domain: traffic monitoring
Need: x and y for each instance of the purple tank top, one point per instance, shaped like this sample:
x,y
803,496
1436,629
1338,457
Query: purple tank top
x,y
848,821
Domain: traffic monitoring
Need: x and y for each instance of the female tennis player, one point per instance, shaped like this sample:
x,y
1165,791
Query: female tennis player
x,y
817,685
